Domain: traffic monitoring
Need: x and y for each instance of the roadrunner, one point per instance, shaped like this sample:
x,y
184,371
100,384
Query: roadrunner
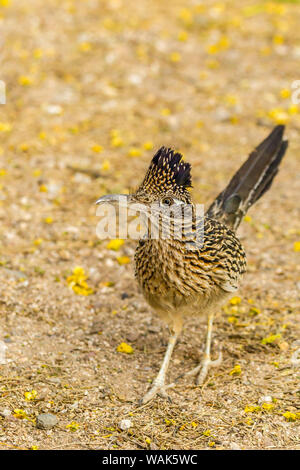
x,y
177,279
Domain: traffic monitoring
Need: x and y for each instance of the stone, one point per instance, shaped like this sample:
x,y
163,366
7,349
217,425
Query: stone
x,y
46,421
125,424
5,413
265,399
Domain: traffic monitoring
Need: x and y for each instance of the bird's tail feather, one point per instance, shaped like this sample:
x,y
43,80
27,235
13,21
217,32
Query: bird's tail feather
x,y
251,181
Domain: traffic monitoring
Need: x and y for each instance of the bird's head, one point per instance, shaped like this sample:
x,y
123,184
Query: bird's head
x,y
163,197
167,182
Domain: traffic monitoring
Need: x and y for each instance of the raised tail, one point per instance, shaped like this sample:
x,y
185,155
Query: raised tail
x,y
251,181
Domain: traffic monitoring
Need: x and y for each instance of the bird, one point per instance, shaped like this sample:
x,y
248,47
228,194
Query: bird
x,y
192,268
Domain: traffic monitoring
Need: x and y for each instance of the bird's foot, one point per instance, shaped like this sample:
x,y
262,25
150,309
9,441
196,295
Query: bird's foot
x,y
201,370
157,388
205,365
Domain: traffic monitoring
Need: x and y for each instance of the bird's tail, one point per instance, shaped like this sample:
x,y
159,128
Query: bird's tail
x,y
251,181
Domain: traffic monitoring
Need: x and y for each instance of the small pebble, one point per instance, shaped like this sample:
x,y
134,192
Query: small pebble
x,y
125,424
46,421
265,399
221,114
12,273
54,380
5,413
234,446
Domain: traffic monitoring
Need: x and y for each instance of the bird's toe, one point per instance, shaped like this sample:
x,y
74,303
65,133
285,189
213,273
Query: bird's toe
x,y
155,390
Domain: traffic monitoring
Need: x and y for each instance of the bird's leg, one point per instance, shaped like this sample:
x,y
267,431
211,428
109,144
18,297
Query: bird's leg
x,y
206,363
158,386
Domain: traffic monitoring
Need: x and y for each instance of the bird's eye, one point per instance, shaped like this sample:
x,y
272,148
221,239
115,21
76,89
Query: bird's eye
x,y
167,201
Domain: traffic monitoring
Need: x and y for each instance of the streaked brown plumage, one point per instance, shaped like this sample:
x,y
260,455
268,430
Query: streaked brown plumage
x,y
189,280
178,282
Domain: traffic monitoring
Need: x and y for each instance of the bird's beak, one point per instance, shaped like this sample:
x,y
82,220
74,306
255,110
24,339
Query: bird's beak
x,y
126,201
121,199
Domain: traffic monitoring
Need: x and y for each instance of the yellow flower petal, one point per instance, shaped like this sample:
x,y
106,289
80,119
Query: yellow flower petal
x,y
235,300
24,80
85,46
293,109
297,246
289,416
148,145
5,127
116,141
285,93
236,370
268,406
175,57
73,426
115,244
97,148
105,165
20,414
278,40
251,409
77,282
165,112
134,152
123,260
125,348
270,339
30,395
182,36
279,116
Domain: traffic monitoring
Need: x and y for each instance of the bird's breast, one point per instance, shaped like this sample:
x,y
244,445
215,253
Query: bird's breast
x,y
168,279
173,276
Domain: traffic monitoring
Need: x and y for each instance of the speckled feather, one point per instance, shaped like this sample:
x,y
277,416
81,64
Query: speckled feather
x,y
175,279
167,173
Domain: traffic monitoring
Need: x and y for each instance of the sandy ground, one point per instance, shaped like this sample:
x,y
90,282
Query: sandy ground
x,y
93,88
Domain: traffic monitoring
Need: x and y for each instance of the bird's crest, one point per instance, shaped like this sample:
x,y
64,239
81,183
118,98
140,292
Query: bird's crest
x,y
168,172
